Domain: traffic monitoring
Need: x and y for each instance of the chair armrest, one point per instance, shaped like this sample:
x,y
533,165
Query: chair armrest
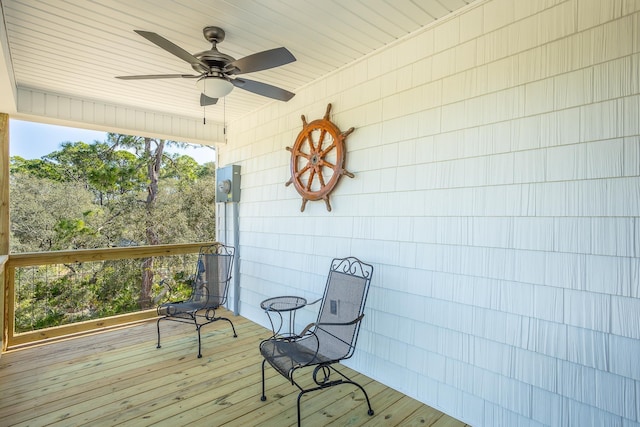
x,y
164,304
311,325
306,329
168,307
353,322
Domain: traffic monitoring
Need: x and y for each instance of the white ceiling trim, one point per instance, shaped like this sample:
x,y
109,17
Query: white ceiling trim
x,y
51,108
8,87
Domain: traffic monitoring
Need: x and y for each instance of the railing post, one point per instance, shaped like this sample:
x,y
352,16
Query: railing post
x,y
4,184
9,305
4,218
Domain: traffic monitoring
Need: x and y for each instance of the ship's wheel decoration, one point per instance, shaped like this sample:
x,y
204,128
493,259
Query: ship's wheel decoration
x,y
317,159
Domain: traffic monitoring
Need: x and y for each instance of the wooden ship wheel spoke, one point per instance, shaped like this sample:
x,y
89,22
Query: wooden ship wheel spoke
x,y
317,164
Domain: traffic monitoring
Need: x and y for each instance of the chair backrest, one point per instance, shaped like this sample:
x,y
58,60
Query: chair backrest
x,y
213,275
344,299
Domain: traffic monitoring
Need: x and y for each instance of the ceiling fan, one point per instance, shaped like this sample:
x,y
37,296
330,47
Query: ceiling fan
x,y
215,69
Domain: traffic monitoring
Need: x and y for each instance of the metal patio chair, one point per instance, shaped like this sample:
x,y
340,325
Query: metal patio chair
x,y
331,339
209,291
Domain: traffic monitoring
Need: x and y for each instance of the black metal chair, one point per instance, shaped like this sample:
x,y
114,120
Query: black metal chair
x,y
332,338
209,291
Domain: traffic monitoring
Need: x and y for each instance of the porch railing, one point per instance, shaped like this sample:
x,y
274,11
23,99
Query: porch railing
x,y
52,267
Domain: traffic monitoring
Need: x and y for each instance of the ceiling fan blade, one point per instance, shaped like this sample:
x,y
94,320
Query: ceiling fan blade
x,y
205,100
263,89
262,61
157,76
172,48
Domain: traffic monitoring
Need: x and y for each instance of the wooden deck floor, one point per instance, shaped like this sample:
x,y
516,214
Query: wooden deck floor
x,y
118,377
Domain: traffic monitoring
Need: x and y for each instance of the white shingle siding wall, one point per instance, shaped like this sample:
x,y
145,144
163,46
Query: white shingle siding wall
x,y
497,192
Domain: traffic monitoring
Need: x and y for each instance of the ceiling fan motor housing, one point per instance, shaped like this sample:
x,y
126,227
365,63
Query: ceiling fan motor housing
x,y
215,59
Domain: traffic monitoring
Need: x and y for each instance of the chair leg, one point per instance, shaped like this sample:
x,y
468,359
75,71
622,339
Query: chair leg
x,y
210,320
334,383
231,323
366,396
199,345
299,396
158,326
263,397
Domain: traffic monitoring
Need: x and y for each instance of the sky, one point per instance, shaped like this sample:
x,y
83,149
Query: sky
x,y
32,140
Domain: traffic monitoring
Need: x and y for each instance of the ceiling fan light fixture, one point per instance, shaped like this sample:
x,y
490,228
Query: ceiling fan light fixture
x,y
214,87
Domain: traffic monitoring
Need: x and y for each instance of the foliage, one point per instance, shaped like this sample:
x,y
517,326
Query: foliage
x,y
53,295
121,192
42,212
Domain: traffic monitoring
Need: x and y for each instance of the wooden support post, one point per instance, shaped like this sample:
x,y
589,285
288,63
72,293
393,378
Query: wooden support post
x,y
4,220
4,184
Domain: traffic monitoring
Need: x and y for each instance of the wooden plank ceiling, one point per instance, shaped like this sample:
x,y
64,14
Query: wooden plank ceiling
x,y
76,47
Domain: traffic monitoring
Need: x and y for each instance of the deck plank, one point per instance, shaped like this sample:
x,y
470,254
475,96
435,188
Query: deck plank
x,y
96,380
118,377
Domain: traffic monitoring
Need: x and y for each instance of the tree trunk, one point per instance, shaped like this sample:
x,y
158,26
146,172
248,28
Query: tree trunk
x,y
153,173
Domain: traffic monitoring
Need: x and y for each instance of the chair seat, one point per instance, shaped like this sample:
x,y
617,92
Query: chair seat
x,y
176,309
285,355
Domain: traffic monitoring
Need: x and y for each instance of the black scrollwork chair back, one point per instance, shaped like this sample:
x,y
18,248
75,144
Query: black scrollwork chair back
x,y
331,338
209,291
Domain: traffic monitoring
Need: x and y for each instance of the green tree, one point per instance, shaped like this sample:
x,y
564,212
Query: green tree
x,y
100,167
126,191
151,152
45,218
76,160
39,168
